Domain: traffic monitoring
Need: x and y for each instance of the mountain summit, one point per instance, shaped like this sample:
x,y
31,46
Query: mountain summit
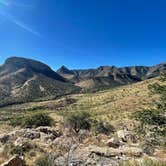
x,y
23,80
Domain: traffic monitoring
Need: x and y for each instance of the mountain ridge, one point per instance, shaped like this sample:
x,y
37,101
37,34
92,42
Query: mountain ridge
x,y
24,80
113,75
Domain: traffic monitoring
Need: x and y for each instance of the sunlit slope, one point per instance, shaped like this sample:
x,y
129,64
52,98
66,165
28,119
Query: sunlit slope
x,y
110,105
117,103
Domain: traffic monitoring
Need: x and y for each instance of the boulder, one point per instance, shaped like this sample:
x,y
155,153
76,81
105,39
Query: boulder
x,y
127,136
114,143
4,138
32,135
148,149
49,131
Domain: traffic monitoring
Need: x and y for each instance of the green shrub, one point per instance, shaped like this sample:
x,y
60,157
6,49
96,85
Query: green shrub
x,y
150,117
78,121
11,149
103,128
45,161
33,121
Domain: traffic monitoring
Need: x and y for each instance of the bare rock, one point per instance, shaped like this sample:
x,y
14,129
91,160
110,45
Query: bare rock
x,y
81,156
4,138
148,149
32,135
114,143
127,136
49,131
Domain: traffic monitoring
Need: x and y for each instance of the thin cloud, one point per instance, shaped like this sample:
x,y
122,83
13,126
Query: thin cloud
x,y
20,24
5,3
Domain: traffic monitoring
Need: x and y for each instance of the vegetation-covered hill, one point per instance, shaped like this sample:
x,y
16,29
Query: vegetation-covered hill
x,y
107,134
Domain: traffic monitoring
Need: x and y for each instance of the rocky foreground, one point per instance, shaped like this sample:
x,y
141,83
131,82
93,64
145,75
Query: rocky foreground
x,y
27,145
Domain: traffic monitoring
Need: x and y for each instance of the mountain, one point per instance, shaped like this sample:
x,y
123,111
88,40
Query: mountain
x,y
110,76
23,80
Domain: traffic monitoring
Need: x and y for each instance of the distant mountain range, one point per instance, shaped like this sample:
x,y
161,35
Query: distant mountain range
x,y
110,76
23,80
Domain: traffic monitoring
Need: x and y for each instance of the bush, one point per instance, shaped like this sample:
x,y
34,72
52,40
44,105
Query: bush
x,y
47,160
150,117
103,128
11,149
33,121
78,121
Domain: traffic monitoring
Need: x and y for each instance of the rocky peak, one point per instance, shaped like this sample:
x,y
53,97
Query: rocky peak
x,y
65,70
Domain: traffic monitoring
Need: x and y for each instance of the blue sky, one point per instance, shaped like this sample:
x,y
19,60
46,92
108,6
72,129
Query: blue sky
x,y
84,33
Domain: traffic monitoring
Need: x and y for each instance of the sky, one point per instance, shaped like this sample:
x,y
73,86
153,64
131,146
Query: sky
x,y
84,33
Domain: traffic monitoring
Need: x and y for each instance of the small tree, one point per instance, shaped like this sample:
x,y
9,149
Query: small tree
x,y
33,120
79,120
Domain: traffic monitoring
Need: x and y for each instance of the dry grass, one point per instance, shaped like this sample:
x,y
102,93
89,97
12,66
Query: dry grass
x,y
109,105
116,104
113,106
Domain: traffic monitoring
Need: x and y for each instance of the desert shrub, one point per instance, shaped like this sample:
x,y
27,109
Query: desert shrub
x,y
33,121
150,117
16,121
101,127
79,120
11,149
153,121
47,160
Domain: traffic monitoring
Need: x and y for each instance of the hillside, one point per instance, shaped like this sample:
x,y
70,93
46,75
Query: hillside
x,y
105,77
111,106
23,80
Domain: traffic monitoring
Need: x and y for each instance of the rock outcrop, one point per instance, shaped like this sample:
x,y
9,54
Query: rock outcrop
x,y
94,155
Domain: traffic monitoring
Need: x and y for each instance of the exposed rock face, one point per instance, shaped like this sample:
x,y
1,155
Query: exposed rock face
x,y
15,161
43,134
94,155
81,156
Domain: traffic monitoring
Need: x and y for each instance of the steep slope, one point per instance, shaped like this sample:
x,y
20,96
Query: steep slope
x,y
25,80
110,76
